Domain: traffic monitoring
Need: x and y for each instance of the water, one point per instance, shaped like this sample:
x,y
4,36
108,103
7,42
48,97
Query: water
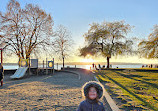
x,y
77,66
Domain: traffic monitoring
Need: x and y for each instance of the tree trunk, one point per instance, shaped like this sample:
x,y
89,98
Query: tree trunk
x,y
108,62
63,62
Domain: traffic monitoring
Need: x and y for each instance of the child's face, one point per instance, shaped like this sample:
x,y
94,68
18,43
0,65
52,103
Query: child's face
x,y
92,93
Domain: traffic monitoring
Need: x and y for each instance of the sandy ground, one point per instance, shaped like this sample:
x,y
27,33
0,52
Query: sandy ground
x,y
58,92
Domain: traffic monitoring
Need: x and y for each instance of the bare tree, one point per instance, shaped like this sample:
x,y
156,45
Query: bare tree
x,y
108,39
63,43
25,30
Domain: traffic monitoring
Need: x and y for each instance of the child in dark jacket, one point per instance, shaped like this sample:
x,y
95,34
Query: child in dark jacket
x,y
1,74
92,91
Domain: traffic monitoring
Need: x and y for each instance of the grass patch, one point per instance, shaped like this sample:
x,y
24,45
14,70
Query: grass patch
x,y
136,91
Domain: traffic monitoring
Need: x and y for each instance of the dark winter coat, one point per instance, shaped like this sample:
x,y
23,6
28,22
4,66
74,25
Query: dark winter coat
x,y
1,74
88,104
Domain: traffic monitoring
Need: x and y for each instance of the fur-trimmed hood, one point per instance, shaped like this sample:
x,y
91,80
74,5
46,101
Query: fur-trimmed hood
x,y
95,84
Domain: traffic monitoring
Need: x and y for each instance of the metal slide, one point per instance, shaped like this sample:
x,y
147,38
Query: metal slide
x,y
20,72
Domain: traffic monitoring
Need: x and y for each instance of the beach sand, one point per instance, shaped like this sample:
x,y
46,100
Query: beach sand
x,y
58,92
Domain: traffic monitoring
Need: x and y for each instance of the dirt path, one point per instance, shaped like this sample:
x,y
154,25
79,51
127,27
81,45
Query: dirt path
x,y
58,92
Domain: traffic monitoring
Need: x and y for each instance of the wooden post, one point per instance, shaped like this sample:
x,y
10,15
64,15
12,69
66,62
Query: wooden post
x,y
46,66
43,64
53,65
63,63
1,56
37,67
29,66
57,66
51,68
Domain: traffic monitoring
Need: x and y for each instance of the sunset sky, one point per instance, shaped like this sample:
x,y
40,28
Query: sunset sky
x,y
76,15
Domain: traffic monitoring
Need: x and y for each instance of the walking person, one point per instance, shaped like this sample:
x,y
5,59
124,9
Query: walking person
x,y
99,66
93,66
92,91
1,74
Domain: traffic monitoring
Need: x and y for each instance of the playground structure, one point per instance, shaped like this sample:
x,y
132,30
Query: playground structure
x,y
20,72
30,66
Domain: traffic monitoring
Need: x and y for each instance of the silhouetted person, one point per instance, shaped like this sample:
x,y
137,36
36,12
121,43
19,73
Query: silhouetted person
x,y
99,66
93,65
103,67
1,74
151,65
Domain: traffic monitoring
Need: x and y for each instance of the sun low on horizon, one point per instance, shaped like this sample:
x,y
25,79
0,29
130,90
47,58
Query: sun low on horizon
x,y
88,58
